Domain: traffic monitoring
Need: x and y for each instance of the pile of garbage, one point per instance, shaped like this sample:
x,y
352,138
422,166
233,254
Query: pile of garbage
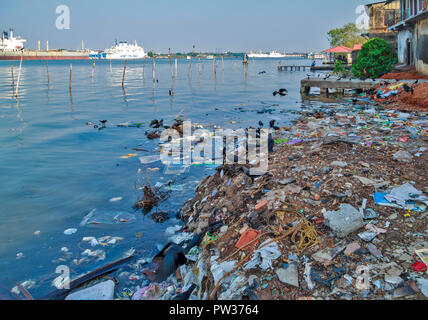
x,y
402,95
341,213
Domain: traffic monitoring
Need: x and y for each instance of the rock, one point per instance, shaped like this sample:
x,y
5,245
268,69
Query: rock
x,y
406,290
402,156
327,254
287,181
344,221
374,251
367,236
100,291
394,280
351,248
340,164
290,275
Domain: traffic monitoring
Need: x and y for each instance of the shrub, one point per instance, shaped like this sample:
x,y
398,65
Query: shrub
x,y
375,59
339,68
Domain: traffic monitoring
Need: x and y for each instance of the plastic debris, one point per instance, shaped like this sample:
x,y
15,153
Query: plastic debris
x,y
263,257
100,291
107,217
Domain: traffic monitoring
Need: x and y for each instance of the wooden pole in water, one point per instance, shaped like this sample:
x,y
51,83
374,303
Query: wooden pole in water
x,y
13,78
123,77
153,67
170,62
222,63
47,71
111,70
19,77
144,63
176,67
71,69
93,69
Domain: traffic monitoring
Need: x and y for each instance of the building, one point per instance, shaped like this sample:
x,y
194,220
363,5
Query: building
x,y
412,35
383,15
342,53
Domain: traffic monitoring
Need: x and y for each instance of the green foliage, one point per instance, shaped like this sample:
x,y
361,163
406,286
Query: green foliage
x,y
150,53
375,59
347,36
339,68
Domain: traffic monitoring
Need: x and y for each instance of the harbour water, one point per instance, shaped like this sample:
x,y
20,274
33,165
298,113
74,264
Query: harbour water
x,y
55,169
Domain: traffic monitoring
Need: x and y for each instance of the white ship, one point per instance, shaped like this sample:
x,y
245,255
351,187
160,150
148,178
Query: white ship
x,y
124,50
273,54
10,43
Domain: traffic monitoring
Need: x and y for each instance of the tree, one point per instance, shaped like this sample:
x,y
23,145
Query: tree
x,y
375,59
347,36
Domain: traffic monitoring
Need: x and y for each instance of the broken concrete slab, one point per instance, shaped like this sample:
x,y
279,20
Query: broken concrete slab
x,y
290,275
344,221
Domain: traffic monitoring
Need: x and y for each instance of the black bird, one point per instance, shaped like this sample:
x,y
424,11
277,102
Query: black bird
x,y
408,89
156,124
275,93
262,72
416,82
260,124
271,143
103,122
282,90
172,256
184,295
272,125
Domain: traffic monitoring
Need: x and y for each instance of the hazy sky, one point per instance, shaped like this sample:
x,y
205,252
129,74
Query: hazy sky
x,y
236,25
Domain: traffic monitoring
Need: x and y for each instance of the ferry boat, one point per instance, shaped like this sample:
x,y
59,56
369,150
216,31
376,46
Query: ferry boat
x,y
12,48
273,54
124,50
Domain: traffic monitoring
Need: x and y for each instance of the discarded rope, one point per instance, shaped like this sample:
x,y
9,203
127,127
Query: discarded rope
x,y
308,235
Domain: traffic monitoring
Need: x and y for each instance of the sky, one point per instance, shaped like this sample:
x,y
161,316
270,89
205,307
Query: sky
x,y
216,26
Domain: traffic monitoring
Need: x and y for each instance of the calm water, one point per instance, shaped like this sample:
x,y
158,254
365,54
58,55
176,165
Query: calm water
x,y
54,168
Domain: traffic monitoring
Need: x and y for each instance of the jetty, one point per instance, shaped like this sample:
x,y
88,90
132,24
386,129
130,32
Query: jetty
x,y
315,68
336,83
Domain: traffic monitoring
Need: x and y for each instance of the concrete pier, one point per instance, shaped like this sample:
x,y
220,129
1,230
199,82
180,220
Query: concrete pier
x,y
335,83
293,68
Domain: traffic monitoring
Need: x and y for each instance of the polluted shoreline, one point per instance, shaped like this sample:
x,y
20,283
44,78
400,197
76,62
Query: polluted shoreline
x,y
338,215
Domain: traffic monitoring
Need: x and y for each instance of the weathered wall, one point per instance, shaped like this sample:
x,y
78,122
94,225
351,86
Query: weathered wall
x,y
421,48
402,40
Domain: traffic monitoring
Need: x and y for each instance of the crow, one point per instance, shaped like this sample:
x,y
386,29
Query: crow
x,y
185,295
407,88
272,125
172,256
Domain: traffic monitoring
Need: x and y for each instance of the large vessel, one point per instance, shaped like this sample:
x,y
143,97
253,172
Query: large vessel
x,y
12,48
273,54
124,50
